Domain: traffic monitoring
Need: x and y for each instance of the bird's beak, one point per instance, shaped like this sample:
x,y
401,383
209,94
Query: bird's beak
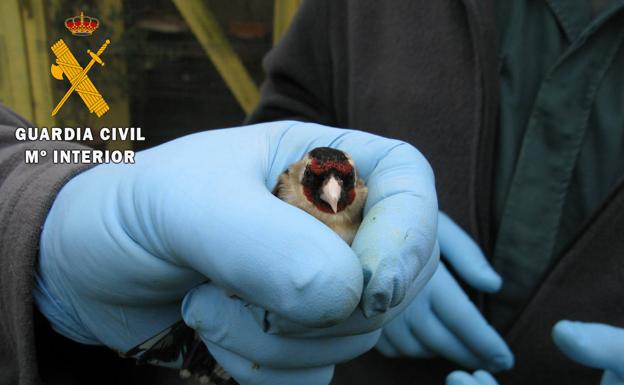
x,y
330,192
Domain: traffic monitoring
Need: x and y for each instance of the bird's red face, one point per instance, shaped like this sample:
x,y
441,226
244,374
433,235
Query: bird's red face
x,y
329,180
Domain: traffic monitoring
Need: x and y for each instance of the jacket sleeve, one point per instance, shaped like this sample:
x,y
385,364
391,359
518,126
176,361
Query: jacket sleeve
x,y
298,71
26,194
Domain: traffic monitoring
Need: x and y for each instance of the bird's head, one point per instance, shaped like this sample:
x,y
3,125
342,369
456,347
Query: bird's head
x,y
329,179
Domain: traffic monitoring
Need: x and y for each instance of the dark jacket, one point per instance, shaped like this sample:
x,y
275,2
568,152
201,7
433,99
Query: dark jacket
x,y
26,194
426,72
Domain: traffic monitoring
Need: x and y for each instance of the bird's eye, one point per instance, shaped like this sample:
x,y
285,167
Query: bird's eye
x,y
348,179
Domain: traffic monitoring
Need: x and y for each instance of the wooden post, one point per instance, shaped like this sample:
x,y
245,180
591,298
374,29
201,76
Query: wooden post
x,y
38,55
116,91
207,30
283,12
15,82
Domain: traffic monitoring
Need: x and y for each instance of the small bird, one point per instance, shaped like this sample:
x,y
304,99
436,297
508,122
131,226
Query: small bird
x,y
325,184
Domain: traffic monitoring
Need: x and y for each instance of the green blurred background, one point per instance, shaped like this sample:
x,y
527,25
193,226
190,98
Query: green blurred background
x,y
173,66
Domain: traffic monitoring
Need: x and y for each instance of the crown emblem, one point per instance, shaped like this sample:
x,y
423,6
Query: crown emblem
x,y
82,25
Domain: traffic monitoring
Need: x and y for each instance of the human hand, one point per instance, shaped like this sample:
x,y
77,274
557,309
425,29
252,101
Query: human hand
x,y
595,345
592,344
442,320
123,244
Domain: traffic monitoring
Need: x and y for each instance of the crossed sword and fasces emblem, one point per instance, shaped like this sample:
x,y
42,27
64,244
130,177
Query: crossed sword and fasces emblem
x,y
67,64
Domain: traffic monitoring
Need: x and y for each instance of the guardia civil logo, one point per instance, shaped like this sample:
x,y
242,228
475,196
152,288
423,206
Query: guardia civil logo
x,y
67,66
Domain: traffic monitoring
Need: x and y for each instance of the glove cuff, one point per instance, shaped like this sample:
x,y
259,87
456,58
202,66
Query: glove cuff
x,y
61,321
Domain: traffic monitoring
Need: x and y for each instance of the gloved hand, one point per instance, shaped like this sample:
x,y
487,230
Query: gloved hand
x,y
123,244
596,345
442,320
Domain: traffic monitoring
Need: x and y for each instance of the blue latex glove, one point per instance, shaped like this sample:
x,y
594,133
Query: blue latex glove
x,y
442,320
124,244
595,345
592,344
480,377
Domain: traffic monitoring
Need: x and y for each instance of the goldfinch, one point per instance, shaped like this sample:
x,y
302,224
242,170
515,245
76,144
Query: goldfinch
x,y
325,184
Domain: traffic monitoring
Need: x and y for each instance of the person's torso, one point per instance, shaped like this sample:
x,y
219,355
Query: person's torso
x,y
427,74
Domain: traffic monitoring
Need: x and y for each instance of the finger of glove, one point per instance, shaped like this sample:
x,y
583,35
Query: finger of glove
x,y
592,344
610,378
428,329
465,256
461,378
398,233
357,323
455,310
248,372
484,378
480,377
386,348
227,322
399,335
